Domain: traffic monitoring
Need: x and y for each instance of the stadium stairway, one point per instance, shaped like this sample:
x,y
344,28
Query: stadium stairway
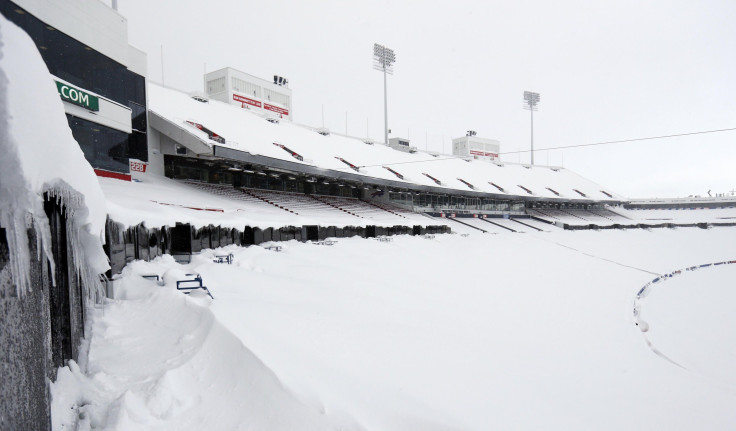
x,y
573,215
256,195
543,224
393,211
498,224
360,208
467,224
527,225
333,204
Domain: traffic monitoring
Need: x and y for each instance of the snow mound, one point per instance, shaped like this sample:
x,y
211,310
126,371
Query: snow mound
x,y
159,360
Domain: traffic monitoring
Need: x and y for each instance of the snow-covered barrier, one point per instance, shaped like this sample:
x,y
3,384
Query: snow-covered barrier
x,y
52,217
644,291
140,242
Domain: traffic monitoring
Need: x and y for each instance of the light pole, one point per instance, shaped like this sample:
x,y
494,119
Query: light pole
x,y
383,59
530,103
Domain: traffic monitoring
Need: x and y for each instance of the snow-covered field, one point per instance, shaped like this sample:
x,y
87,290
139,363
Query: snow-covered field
x,y
479,332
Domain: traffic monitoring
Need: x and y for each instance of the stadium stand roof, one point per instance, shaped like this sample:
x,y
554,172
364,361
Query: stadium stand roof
x,y
218,130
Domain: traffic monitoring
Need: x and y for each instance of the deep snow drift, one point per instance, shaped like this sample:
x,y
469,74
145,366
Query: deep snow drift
x,y
508,331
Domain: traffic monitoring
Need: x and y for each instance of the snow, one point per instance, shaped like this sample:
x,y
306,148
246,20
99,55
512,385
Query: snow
x,y
703,215
505,331
247,131
159,201
35,124
691,327
182,371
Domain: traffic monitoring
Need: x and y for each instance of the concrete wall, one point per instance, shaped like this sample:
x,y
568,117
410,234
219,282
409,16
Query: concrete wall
x,y
40,330
25,356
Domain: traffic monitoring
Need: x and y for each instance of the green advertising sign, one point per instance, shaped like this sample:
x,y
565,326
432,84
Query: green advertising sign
x,y
78,97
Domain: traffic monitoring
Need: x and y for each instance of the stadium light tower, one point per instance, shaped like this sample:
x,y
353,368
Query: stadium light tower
x,y
530,103
383,59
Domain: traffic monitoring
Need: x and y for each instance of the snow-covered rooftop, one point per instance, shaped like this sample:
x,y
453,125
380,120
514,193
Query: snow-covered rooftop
x,y
250,134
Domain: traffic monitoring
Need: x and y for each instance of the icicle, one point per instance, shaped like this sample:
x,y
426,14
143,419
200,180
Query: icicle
x,y
18,203
17,218
88,257
22,209
15,228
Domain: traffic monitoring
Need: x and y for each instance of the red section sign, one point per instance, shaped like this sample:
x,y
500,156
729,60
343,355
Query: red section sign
x,y
276,109
137,166
247,101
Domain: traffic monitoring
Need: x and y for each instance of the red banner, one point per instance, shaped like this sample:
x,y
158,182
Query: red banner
x,y
247,101
276,109
482,153
110,174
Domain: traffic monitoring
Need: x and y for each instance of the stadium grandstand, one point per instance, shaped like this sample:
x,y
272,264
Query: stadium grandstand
x,y
223,174
191,136
231,157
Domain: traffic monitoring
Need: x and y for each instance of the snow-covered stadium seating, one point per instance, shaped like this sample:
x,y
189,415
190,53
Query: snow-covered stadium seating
x,y
327,209
580,217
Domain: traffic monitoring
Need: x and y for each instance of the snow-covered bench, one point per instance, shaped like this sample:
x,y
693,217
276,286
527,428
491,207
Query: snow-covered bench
x,y
223,258
188,285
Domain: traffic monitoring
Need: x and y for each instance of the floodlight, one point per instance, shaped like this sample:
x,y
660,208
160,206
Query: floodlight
x,y
531,99
530,103
383,60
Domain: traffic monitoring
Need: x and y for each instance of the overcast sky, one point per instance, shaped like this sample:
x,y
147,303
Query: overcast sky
x,y
605,70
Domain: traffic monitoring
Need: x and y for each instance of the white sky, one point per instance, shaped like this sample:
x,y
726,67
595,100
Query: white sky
x,y
605,71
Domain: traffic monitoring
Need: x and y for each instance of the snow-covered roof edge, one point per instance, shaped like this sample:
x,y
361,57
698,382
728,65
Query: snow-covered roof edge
x,y
40,156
